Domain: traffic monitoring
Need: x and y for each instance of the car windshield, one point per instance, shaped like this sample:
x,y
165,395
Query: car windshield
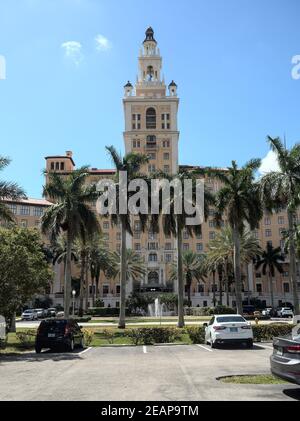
x,y
28,311
230,319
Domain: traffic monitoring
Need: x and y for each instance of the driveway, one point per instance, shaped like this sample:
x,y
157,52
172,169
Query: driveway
x,y
182,372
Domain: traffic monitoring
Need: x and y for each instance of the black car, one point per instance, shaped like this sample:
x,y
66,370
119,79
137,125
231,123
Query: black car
x,y
285,360
58,333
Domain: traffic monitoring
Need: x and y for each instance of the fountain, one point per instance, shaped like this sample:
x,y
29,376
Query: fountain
x,y
157,309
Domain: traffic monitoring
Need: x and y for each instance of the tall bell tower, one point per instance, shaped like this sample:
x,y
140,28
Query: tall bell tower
x,y
151,128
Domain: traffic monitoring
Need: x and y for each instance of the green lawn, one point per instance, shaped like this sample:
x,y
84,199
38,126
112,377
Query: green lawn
x,y
253,379
149,319
14,346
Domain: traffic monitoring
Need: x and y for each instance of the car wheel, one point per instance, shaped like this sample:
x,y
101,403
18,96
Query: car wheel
x,y
71,346
212,343
82,342
38,349
250,344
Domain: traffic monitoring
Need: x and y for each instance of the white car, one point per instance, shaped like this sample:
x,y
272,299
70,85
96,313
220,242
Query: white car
x,y
266,311
40,312
285,312
228,328
29,314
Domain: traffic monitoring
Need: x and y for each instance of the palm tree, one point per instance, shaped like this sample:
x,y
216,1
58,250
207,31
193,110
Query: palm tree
x,y
71,214
134,266
193,266
271,259
100,259
238,199
8,191
282,189
131,164
174,223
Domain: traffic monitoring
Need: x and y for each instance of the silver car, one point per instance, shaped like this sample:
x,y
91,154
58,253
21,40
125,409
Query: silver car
x,y
29,314
285,360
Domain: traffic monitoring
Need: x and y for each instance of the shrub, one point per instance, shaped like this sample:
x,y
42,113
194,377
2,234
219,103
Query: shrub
x,y
222,310
99,303
149,336
105,311
268,332
196,334
83,319
88,335
26,338
109,335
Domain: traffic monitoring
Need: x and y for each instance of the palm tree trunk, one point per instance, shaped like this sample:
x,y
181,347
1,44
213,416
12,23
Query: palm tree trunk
x,y
220,287
292,268
214,288
87,292
271,289
67,286
93,291
188,286
121,324
226,283
81,292
180,279
237,268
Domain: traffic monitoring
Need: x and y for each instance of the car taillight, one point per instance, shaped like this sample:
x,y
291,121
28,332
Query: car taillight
x,y
219,327
294,349
246,327
67,330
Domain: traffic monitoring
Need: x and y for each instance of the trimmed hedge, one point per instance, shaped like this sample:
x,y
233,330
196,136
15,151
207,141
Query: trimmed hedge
x,y
196,334
83,319
208,311
106,311
268,332
149,336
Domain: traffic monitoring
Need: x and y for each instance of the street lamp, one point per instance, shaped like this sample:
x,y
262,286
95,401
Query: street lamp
x,y
73,294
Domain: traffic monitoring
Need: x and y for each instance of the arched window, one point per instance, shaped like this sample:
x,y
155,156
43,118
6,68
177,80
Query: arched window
x,y
151,138
150,73
152,257
150,118
153,278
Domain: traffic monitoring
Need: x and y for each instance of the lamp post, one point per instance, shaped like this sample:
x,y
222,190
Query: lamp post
x,y
73,294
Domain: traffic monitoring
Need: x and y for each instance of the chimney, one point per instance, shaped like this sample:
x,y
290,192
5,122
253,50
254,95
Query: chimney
x,y
69,154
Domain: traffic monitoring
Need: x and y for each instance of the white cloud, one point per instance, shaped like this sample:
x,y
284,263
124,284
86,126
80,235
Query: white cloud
x,y
269,163
102,43
73,51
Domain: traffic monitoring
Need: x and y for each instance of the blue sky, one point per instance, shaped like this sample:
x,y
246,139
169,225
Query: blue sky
x,y
231,60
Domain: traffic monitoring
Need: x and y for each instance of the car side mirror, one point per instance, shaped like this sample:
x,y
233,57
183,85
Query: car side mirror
x,y
205,324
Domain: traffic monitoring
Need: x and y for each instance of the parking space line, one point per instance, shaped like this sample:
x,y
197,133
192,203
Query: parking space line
x,y
144,349
206,349
85,350
264,346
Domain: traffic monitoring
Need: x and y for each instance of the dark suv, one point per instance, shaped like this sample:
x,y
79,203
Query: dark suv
x,y
58,333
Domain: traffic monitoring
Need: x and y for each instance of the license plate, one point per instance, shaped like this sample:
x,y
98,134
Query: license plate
x,y
279,351
233,329
51,335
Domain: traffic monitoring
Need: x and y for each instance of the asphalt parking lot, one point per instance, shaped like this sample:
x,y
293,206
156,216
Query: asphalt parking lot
x,y
182,372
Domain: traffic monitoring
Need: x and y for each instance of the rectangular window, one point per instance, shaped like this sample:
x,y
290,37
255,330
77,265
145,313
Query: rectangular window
x,y
137,226
137,246
280,220
118,289
105,236
166,168
24,223
281,231
38,211
25,210
168,246
37,222
166,143
269,243
151,168
62,166
152,155
137,235
136,118
186,246
166,156
211,224
258,275
52,166
199,247
105,290
199,236
106,225
212,235
13,208
267,221
268,233
168,257
286,287
258,287
185,235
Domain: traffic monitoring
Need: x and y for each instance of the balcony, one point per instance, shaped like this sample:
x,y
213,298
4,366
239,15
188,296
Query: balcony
x,y
152,146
